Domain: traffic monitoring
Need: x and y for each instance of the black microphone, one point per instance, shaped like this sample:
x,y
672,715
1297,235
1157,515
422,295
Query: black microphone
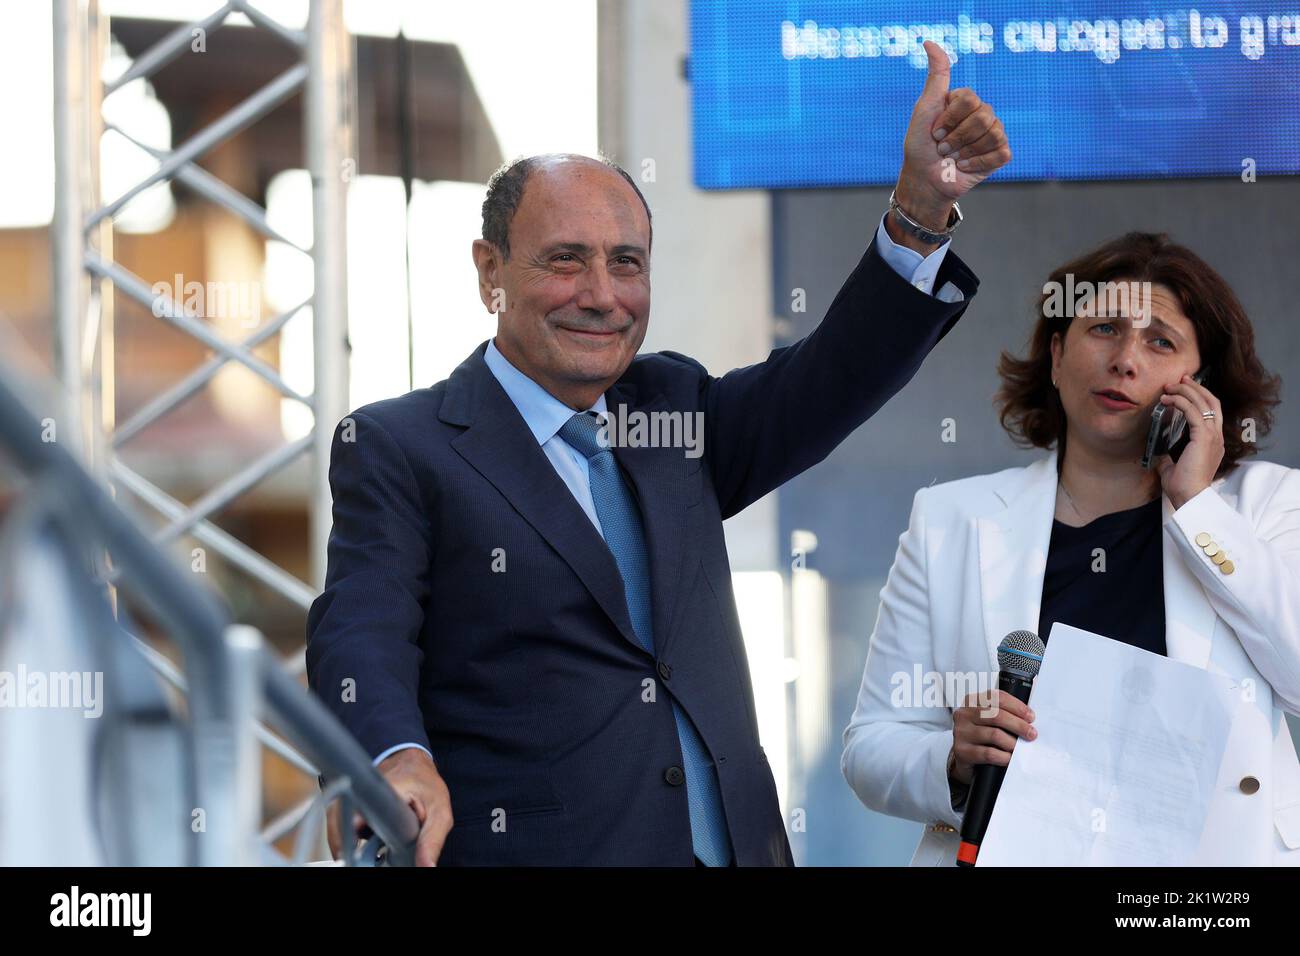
x,y
1019,656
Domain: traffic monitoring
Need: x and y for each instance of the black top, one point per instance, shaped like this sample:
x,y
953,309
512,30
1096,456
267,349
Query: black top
x,y
1125,602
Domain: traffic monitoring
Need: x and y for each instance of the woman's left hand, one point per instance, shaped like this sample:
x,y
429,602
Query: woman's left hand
x,y
1182,480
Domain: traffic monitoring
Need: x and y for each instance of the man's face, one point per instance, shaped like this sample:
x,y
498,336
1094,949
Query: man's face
x,y
1106,354
577,285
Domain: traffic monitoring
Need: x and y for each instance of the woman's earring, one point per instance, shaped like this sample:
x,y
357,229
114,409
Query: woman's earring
x,y
1053,383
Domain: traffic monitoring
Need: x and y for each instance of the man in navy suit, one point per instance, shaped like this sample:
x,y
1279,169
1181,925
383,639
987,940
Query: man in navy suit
x,y
528,619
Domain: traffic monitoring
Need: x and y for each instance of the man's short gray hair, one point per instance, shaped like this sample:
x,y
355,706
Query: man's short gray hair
x,y
505,190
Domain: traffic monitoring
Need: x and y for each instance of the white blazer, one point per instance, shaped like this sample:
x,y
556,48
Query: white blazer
x,y
969,570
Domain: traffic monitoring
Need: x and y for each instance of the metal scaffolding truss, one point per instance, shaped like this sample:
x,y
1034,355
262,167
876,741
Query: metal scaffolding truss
x,y
84,275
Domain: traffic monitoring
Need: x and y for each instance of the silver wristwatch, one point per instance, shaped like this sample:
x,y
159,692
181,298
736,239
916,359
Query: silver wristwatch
x,y
914,228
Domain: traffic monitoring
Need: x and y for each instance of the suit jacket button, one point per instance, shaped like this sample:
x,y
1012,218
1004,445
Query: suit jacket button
x,y
665,671
674,776
1202,539
1249,785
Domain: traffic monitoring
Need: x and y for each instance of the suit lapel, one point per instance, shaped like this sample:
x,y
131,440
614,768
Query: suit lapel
x,y
1013,547
657,476
498,444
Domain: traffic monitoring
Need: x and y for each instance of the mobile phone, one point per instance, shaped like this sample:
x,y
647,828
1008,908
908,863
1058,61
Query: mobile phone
x,y
1168,432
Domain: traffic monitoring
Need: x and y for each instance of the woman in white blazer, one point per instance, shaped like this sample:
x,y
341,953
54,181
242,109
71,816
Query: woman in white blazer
x,y
1217,535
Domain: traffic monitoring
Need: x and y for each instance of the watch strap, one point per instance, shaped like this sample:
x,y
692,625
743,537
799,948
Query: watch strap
x,y
914,228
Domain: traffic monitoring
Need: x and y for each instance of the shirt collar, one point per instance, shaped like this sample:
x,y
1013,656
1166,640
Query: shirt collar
x,y
543,413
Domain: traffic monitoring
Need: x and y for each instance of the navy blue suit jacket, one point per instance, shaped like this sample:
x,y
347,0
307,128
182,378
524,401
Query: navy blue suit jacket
x,y
541,709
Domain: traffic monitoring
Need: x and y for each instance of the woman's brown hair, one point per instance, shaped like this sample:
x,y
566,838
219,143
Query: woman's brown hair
x,y
1029,406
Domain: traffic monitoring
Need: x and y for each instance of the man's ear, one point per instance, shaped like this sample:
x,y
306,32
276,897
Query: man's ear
x,y
487,262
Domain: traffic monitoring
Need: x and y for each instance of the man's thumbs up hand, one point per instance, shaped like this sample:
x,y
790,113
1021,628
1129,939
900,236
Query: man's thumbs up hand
x,y
953,142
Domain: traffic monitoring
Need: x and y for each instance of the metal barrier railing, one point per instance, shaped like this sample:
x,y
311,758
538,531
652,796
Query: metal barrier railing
x,y
229,677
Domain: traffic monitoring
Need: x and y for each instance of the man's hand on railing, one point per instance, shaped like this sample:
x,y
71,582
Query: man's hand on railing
x,y
416,781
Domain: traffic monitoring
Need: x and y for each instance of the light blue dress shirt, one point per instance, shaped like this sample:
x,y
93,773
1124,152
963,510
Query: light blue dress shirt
x,y
919,270
544,414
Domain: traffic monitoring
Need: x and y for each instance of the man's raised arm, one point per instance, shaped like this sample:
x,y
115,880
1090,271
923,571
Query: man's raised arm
x,y
768,422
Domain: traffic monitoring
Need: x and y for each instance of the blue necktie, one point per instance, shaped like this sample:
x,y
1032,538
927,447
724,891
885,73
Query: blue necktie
x,y
620,519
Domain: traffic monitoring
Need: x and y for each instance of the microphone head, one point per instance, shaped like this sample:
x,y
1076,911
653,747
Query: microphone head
x,y
1021,653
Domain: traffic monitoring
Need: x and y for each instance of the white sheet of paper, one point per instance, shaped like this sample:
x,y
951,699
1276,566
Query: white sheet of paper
x,y
1122,771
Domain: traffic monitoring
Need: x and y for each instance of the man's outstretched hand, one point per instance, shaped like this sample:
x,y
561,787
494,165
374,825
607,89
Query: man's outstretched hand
x,y
953,142
417,782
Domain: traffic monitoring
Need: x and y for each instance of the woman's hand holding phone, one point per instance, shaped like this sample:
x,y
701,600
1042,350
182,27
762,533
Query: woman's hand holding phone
x,y
1192,473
